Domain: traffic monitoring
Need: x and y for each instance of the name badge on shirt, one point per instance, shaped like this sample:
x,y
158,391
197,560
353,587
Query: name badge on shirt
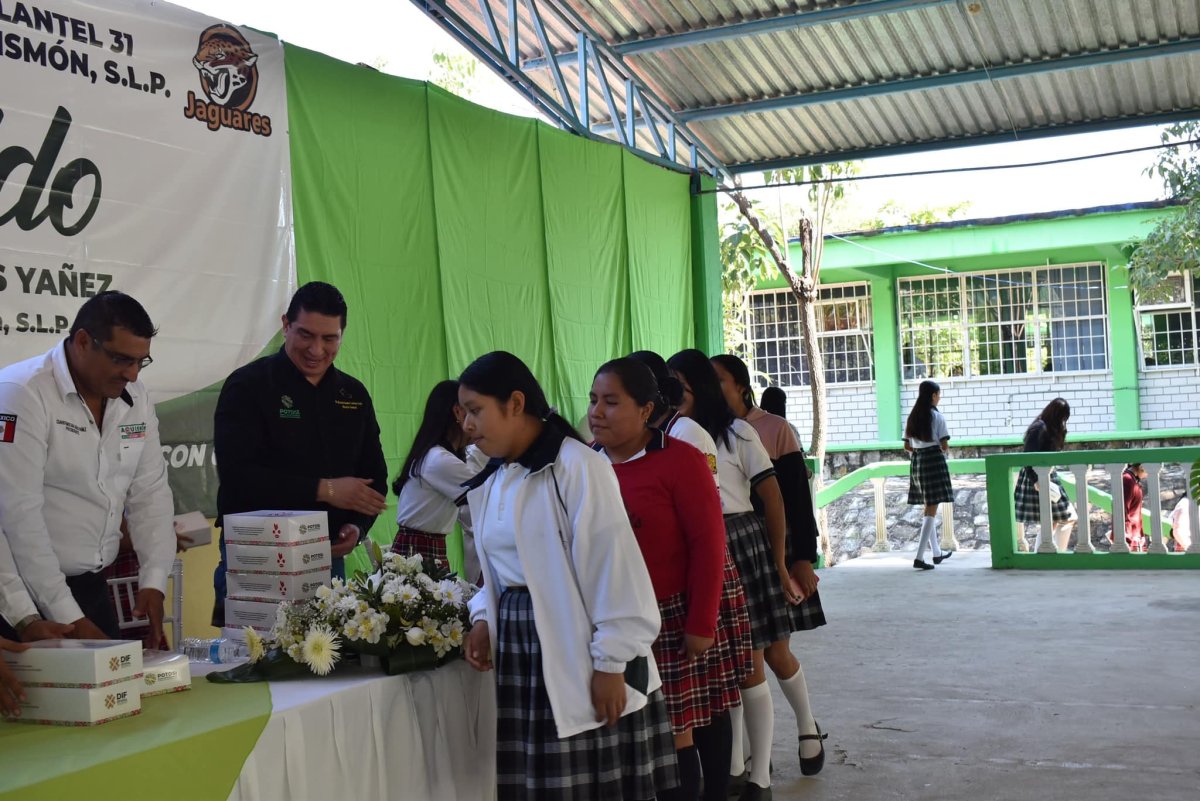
x,y
133,431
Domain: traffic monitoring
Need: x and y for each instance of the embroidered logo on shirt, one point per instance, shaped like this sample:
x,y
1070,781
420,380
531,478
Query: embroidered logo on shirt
x,y
133,431
8,427
712,462
74,428
288,412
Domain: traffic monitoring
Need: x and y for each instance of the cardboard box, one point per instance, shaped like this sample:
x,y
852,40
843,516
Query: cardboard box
x,y
278,558
76,663
276,528
258,615
276,586
165,672
81,706
195,526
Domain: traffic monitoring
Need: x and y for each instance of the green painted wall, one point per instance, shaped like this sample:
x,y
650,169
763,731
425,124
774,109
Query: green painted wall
x,y
1122,338
887,357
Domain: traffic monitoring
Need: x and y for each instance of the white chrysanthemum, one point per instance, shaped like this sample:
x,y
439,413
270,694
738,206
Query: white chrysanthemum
x,y
347,605
448,592
255,645
295,652
388,598
320,650
407,594
429,626
441,645
415,636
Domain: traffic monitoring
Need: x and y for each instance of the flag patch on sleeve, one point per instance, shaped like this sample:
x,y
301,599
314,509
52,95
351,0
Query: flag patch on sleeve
x,y
8,427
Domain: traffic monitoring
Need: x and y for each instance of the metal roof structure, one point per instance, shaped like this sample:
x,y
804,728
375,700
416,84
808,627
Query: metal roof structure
x,y
749,85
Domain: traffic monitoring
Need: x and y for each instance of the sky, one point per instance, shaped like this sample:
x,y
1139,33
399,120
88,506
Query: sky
x,y
401,39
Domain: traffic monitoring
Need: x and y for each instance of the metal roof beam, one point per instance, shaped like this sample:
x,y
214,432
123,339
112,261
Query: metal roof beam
x,y
1005,137
756,27
1080,61
572,114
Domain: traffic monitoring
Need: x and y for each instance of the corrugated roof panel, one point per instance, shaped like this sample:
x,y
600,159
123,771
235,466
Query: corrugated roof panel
x,y
949,43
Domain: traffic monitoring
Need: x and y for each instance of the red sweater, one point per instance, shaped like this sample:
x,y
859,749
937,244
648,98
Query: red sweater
x,y
1133,504
675,512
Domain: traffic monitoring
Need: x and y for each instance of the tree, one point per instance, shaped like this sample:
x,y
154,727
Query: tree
x,y
455,72
893,213
745,261
1174,243
823,196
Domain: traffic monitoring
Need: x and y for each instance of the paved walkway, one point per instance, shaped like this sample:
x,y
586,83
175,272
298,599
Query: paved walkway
x,y
970,683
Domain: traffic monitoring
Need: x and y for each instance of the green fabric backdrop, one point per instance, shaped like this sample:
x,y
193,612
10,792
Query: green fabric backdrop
x,y
453,230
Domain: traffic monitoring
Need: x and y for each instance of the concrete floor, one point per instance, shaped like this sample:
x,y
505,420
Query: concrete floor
x,y
971,683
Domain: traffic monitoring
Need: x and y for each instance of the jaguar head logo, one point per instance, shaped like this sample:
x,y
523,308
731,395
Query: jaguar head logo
x,y
227,67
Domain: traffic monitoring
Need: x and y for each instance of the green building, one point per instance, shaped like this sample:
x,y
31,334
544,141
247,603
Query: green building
x,y
1006,314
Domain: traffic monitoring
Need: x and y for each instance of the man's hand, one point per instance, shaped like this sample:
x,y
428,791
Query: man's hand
x,y
11,694
345,542
149,604
608,696
84,629
352,494
478,647
46,630
805,577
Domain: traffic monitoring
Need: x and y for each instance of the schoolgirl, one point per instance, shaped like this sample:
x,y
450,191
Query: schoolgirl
x,y
429,487
567,613
758,551
715,742
1047,433
926,438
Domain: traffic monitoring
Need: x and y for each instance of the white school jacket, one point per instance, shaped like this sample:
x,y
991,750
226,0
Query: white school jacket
x,y
593,602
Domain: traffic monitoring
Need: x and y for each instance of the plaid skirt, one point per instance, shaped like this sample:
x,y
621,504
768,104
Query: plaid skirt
x,y
410,541
772,618
632,761
929,478
695,689
733,641
1026,501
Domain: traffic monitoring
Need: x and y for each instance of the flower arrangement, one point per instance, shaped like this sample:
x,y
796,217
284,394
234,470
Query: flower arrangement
x,y
409,615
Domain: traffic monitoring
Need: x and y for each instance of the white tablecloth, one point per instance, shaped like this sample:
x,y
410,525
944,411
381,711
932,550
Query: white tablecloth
x,y
364,736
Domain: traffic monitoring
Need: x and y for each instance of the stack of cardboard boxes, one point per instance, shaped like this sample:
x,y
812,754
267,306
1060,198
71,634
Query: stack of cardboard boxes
x,y
79,682
272,557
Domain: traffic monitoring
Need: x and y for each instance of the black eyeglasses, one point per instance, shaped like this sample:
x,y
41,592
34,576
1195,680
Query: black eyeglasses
x,y
123,361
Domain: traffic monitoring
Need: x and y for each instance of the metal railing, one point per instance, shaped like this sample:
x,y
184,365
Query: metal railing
x,y
1006,537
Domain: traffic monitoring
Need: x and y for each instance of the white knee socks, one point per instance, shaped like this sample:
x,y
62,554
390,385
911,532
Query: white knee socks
x,y
795,690
760,725
927,538
737,756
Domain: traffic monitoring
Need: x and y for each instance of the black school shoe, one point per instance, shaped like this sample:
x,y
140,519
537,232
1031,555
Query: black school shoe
x,y
752,792
919,565
937,560
812,766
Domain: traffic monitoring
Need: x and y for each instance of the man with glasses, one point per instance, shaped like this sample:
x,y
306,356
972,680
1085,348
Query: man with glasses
x,y
80,447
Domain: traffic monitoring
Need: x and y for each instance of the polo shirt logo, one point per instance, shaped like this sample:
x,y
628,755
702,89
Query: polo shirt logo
x,y
8,427
133,431
288,410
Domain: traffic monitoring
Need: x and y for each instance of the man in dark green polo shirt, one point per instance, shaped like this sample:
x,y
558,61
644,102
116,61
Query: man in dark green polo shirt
x,y
291,431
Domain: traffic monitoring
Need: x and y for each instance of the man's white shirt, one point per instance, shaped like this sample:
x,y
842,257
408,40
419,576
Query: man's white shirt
x,y
64,482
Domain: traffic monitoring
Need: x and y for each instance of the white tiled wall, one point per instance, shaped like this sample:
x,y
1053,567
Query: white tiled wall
x,y
1170,398
994,407
852,413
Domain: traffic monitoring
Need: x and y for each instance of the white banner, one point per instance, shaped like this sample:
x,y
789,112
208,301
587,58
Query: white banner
x,y
143,147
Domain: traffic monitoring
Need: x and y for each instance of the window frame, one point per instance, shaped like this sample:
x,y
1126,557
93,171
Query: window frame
x,y
1039,317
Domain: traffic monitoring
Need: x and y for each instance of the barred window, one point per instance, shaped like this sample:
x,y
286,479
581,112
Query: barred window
x,y
1013,322
1170,331
843,331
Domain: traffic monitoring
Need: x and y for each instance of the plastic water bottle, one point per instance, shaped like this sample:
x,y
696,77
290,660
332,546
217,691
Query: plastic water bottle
x,y
218,651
